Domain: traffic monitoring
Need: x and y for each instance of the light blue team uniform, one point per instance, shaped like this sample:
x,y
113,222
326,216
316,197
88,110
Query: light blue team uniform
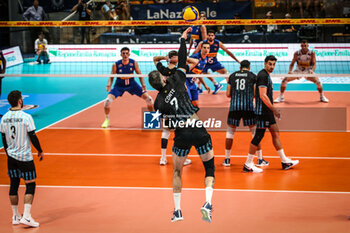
x,y
16,125
213,62
198,69
126,84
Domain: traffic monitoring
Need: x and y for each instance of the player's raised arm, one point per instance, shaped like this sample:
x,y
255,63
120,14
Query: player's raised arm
x,y
182,50
223,47
157,59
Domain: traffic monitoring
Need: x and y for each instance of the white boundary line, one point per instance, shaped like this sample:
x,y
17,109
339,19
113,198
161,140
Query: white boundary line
x,y
187,189
191,156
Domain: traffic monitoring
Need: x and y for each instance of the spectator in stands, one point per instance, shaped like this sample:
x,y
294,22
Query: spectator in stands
x,y
108,9
41,49
36,13
289,28
84,12
270,27
162,1
234,28
122,10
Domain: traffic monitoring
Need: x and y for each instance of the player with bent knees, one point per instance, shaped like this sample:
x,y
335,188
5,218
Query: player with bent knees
x,y
17,131
240,88
125,66
172,60
265,118
306,64
173,100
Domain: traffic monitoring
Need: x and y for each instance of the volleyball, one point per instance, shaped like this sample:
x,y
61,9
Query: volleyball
x,y
190,13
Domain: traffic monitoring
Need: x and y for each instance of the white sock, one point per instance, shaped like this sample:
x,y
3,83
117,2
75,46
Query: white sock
x,y
177,199
282,155
15,210
208,194
259,154
249,161
227,154
26,213
163,153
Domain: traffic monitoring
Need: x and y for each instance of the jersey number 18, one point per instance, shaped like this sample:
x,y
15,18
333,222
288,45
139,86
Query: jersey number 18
x,y
240,84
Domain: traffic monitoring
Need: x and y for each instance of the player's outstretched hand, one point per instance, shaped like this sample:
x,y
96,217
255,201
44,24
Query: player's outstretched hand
x,y
41,156
185,33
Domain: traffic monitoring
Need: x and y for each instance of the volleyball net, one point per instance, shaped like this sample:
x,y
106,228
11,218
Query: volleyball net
x,y
71,56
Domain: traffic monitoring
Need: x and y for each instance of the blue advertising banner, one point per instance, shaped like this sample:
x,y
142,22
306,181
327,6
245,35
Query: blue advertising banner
x,y
221,10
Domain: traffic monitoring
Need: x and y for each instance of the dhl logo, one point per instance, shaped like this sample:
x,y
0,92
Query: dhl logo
x,y
258,21
234,22
308,21
70,23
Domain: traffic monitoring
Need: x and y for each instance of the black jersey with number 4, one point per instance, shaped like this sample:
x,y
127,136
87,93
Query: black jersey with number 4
x,y
173,100
263,80
242,90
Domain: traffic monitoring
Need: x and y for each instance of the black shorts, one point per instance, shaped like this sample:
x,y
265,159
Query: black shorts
x,y
21,169
234,118
265,120
185,138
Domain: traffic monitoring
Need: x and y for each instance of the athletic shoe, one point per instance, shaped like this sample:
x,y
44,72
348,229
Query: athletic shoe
x,y
324,99
227,162
262,163
252,168
105,123
163,161
29,222
289,164
279,99
16,219
200,90
217,88
187,162
206,212
177,216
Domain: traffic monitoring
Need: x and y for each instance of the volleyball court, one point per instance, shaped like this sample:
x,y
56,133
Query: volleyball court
x,y
110,180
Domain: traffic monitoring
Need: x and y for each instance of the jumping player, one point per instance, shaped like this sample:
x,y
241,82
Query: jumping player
x,y
17,131
240,88
172,60
213,62
125,66
174,104
306,64
266,113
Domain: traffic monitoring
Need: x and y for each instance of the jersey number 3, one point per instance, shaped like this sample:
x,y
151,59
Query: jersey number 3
x,y
173,101
13,129
240,84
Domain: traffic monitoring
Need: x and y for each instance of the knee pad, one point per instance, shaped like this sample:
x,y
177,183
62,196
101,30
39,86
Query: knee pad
x,y
30,188
165,134
209,167
14,186
149,100
229,132
259,134
108,102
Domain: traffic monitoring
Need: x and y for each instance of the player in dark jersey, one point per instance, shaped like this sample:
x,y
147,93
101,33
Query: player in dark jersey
x,y
125,66
172,60
174,104
240,88
198,33
213,62
266,113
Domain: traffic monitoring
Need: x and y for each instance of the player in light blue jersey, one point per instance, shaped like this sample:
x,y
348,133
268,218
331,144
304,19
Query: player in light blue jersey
x,y
125,66
17,131
213,62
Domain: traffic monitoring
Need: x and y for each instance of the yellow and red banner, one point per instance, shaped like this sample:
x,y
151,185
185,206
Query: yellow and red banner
x,y
104,23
